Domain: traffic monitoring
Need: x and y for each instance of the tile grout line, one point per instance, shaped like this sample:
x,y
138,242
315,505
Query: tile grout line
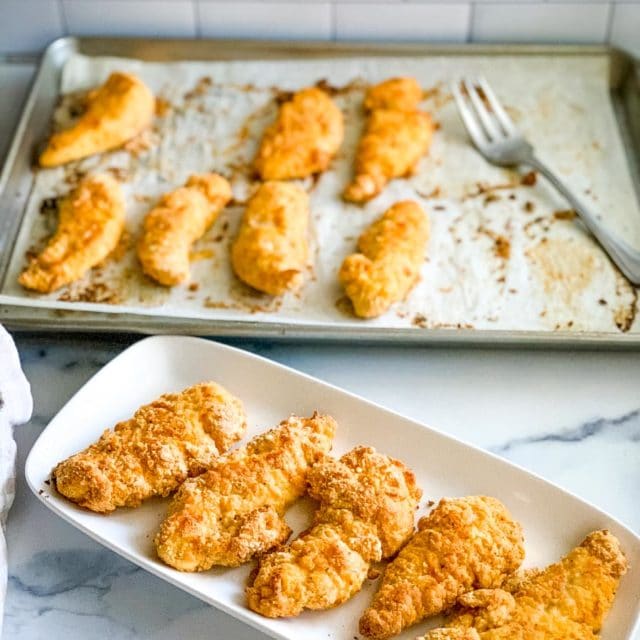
x,y
610,17
334,20
196,17
63,17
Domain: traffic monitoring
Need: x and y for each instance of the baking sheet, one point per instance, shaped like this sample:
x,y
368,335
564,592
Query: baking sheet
x,y
503,255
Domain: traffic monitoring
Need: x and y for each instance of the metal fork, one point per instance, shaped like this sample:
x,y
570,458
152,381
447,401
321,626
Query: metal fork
x,y
497,139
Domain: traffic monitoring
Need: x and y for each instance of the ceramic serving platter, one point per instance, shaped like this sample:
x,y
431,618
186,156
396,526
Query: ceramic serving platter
x,y
553,520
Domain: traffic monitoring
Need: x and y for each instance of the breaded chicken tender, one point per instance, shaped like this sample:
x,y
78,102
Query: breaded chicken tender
x,y
174,437
568,600
391,253
116,112
463,544
176,222
90,223
302,141
270,251
397,134
366,513
400,94
234,512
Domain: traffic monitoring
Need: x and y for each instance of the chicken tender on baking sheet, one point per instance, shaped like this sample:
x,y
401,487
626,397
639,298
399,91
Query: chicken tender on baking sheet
x,y
90,223
397,134
400,94
174,437
304,138
234,512
366,513
391,254
463,544
568,600
117,111
270,251
176,222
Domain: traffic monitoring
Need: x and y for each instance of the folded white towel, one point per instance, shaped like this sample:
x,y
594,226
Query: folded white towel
x,y
16,405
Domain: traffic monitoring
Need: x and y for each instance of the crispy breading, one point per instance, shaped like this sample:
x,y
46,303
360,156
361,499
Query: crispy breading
x,y
367,506
304,138
397,134
151,454
233,512
568,600
90,223
391,254
270,251
117,111
403,94
452,634
176,222
463,544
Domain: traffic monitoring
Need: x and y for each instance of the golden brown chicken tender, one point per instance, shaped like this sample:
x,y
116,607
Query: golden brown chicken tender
x,y
270,251
233,512
391,253
367,507
176,222
302,141
174,437
401,94
463,544
90,223
116,112
396,136
568,600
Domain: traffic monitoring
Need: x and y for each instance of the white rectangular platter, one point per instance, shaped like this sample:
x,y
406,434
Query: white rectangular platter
x,y
554,521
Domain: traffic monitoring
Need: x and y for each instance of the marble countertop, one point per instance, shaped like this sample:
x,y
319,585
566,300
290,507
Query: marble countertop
x,y
572,417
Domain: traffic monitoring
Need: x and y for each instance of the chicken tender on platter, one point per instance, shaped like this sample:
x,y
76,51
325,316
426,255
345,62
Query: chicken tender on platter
x,y
397,134
116,112
568,600
174,437
90,223
233,512
176,222
463,544
391,254
366,513
270,251
303,140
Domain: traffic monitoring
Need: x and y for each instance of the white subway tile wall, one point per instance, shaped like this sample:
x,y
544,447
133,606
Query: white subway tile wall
x,y
270,20
434,22
130,17
27,26
625,27
566,22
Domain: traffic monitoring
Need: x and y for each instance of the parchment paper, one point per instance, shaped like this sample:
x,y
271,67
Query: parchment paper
x,y
502,254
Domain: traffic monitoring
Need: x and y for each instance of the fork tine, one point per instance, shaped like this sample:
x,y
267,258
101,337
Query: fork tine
x,y
498,109
493,131
473,128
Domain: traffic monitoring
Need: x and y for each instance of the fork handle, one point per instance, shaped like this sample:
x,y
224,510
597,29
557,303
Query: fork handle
x,y
623,254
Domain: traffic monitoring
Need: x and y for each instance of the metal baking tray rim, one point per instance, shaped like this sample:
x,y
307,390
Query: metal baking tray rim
x,y
22,317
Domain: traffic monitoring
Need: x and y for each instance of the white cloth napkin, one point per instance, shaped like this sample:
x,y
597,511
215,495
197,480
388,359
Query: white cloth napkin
x,y
16,405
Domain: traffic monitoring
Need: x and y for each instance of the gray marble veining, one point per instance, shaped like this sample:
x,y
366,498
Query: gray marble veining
x,y
584,435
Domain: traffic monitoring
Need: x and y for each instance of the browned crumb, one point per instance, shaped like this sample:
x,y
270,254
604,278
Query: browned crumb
x,y
529,179
163,107
200,88
502,247
564,214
